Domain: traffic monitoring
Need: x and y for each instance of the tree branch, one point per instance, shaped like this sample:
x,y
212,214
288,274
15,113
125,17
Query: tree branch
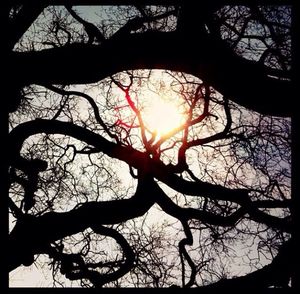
x,y
32,235
243,81
144,164
20,24
277,273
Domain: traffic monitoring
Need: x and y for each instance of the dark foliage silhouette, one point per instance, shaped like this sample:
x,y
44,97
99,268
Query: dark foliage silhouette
x,y
103,195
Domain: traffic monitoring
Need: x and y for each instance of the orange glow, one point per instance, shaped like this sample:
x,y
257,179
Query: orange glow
x,y
162,116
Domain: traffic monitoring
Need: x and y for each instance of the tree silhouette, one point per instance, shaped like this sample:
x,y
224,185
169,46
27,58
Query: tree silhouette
x,y
100,196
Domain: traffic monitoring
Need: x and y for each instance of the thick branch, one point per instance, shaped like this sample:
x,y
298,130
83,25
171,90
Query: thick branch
x,y
91,102
242,81
185,214
277,273
134,158
129,155
20,24
143,163
128,252
32,235
74,267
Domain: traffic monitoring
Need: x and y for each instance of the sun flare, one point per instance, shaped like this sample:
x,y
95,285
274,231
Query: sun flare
x,y
162,116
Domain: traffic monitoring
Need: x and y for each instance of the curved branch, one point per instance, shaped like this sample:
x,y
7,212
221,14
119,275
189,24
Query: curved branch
x,y
243,81
183,253
134,158
131,104
270,275
92,31
143,163
185,214
32,235
74,267
129,262
217,136
20,24
91,102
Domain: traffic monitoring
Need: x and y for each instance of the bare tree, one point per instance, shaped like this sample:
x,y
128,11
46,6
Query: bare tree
x,y
115,198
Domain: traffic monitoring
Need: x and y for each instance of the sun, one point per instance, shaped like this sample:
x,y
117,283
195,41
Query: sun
x,y
162,115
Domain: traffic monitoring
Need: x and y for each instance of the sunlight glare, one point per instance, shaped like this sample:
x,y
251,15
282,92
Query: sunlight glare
x,y
162,116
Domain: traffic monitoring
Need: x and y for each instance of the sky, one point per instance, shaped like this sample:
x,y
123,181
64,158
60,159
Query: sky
x,y
39,276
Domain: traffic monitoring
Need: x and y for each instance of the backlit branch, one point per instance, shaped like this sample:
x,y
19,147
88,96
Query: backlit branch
x,y
174,56
134,158
36,233
92,104
131,104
